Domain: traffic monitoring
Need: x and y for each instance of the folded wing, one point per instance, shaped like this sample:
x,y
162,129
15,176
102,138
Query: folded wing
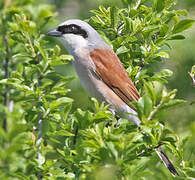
x,y
111,71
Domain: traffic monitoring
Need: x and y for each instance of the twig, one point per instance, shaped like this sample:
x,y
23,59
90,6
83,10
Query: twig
x,y
151,115
40,122
75,136
31,46
6,69
137,4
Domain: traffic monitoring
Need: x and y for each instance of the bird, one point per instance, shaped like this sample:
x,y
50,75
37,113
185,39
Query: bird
x,y
101,73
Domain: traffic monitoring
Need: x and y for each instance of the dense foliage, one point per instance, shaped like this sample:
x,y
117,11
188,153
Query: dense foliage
x,y
42,136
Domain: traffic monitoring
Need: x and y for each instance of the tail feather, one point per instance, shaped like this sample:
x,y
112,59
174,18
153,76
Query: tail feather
x,y
160,152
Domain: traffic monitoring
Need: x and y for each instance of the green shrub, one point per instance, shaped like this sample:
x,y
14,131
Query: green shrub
x,y
43,137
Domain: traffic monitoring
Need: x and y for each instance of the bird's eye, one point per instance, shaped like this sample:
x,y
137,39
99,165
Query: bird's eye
x,y
68,29
73,29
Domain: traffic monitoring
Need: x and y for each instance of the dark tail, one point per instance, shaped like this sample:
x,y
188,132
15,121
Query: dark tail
x,y
160,152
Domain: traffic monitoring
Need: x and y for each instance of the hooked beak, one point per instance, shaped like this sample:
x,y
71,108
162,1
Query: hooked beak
x,y
55,33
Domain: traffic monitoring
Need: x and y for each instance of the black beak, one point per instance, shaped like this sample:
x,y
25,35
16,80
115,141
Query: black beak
x,y
55,33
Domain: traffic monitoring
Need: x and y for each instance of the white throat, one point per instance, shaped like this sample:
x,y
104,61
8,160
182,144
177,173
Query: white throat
x,y
73,42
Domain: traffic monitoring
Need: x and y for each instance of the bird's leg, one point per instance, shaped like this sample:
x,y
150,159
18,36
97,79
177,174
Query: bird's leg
x,y
107,123
118,121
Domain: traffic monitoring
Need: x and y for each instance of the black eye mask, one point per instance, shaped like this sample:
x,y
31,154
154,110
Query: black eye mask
x,y
72,29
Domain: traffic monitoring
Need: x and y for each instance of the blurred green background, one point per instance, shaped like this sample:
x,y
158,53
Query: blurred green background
x,y
181,119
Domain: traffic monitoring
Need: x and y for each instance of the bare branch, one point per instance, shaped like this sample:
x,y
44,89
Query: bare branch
x,y
137,4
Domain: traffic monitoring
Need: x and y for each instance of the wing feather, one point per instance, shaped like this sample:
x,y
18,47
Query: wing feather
x,y
111,71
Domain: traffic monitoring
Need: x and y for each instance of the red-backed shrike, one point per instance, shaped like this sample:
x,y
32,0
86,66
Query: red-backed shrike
x,y
100,71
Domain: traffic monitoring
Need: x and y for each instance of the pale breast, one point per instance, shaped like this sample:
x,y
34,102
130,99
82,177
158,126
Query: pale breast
x,y
84,68
96,87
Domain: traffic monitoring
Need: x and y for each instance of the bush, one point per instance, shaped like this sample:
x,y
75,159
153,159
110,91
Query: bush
x,y
43,137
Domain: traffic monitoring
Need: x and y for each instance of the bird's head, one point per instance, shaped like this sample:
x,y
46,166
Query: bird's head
x,y
75,34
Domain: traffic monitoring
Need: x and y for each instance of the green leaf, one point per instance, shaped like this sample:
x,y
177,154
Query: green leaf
x,y
183,25
159,5
3,134
64,133
66,57
169,95
122,50
193,70
41,50
45,126
45,13
150,91
114,16
182,12
59,102
168,17
128,24
147,105
91,144
164,30
170,3
177,37
172,103
164,73
17,83
163,54
51,155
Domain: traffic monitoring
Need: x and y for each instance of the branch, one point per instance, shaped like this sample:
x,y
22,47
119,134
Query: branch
x,y
40,122
137,4
6,70
151,115
76,134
